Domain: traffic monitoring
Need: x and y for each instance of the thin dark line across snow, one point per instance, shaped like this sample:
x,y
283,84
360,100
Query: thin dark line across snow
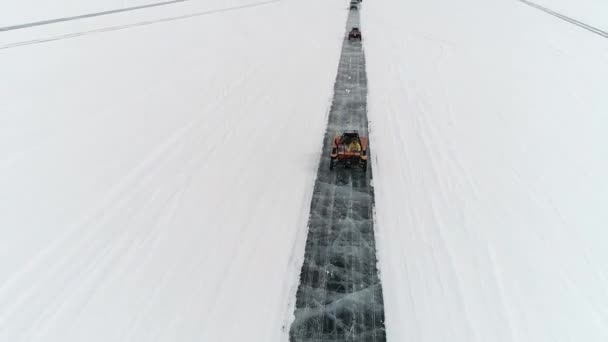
x,y
137,24
88,15
568,19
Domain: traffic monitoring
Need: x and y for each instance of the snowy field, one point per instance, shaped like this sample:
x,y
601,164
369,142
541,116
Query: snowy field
x,y
157,167
489,124
156,180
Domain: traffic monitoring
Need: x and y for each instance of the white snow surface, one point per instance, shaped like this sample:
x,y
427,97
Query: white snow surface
x,y
156,180
488,124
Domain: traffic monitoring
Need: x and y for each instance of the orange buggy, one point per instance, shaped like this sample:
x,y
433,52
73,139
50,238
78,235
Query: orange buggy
x,y
349,150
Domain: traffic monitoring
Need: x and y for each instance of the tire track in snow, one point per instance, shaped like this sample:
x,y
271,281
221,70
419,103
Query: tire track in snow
x,y
137,24
340,297
88,15
568,19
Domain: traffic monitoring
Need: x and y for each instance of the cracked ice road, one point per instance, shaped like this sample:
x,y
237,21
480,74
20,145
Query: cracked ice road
x,y
340,296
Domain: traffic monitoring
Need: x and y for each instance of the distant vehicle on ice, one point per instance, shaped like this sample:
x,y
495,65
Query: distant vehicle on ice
x,y
349,150
354,34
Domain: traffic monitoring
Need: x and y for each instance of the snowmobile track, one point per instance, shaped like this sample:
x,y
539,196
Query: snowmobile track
x,y
88,15
340,297
568,19
91,15
122,27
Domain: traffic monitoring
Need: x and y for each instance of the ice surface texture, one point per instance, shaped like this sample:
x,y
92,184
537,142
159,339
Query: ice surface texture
x,y
340,296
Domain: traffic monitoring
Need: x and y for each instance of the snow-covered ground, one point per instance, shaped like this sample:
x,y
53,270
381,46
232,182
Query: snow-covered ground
x,y
156,169
489,128
156,180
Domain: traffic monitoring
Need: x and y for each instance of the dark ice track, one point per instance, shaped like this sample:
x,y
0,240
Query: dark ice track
x,y
340,296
